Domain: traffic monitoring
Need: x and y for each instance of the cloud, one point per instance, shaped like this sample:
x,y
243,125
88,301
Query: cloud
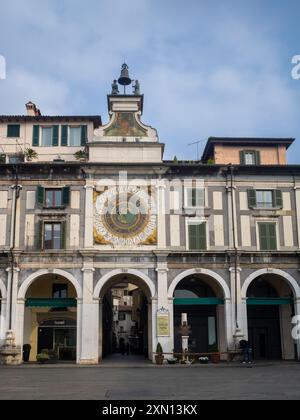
x,y
206,68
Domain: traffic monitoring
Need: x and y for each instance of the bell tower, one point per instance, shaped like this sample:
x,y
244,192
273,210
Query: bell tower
x,y
125,138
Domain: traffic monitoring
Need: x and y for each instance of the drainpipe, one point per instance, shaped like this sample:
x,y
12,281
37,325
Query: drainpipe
x,y
16,194
231,171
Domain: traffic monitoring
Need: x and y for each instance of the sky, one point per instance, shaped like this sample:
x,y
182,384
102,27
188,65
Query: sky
x,y
206,67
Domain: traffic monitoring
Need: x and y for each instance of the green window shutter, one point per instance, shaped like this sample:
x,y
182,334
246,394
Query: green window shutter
x,y
242,157
13,130
257,158
83,135
63,235
252,202
66,196
55,135
39,240
278,200
268,237
40,196
36,136
197,237
64,135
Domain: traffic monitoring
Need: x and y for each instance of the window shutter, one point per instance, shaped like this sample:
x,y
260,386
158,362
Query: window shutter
x,y
242,157
263,236
201,237
252,202
64,135
257,158
39,235
278,200
55,135
63,235
189,197
36,136
197,237
83,135
272,237
40,196
66,196
192,237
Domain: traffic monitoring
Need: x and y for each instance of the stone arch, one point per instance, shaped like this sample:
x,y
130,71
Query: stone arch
x,y
28,282
283,274
222,283
136,273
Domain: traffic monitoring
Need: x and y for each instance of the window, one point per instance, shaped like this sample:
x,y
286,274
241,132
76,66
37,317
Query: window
x,y
267,236
265,199
53,198
195,197
13,130
60,291
122,316
75,136
249,157
53,238
197,236
47,134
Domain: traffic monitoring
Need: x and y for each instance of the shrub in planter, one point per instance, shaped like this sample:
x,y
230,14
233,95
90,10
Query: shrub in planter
x,y
159,358
216,357
26,352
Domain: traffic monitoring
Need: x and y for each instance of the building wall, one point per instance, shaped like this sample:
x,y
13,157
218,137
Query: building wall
x,y
231,154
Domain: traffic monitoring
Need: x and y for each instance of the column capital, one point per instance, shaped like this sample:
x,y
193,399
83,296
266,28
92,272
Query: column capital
x,y
89,187
15,269
88,270
238,269
162,270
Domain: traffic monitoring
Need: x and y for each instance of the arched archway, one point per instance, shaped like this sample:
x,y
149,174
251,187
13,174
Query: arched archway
x,y
205,297
47,312
125,312
270,295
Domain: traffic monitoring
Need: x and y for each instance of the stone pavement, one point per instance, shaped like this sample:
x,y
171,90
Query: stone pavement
x,y
111,381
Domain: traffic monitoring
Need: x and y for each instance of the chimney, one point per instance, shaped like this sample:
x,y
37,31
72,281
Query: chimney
x,y
32,110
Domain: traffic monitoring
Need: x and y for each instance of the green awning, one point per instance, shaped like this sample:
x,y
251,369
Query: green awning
x,y
199,301
269,301
50,303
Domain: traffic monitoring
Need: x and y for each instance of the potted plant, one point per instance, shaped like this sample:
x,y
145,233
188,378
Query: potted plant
x,y
215,357
172,361
81,155
26,352
159,357
30,154
203,360
43,357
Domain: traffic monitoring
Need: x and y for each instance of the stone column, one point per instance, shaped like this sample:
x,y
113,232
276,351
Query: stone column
x,y
3,328
164,303
99,333
297,313
89,322
237,306
89,216
297,211
79,329
154,340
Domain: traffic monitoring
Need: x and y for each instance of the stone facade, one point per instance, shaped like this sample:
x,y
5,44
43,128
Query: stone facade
x,y
230,262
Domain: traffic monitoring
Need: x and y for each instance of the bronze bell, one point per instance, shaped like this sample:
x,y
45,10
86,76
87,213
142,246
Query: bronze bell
x,y
124,79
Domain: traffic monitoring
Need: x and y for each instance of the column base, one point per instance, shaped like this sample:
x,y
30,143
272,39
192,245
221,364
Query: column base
x,y
88,362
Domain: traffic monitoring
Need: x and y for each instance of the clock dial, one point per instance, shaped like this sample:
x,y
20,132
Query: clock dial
x,y
123,217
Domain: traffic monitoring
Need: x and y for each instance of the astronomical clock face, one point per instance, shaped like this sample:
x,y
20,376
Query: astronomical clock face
x,y
124,217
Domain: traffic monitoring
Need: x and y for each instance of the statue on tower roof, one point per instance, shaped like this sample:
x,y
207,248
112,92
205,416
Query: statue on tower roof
x,y
115,88
137,88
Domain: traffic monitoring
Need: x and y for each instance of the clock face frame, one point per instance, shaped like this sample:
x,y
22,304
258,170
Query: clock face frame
x,y
124,216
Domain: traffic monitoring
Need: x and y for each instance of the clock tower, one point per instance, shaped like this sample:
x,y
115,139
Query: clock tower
x,y
125,139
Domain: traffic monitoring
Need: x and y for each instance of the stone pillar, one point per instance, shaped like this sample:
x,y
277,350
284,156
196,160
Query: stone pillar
x,y
18,324
3,328
163,303
89,216
79,330
297,211
237,306
297,313
154,340
161,214
88,354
